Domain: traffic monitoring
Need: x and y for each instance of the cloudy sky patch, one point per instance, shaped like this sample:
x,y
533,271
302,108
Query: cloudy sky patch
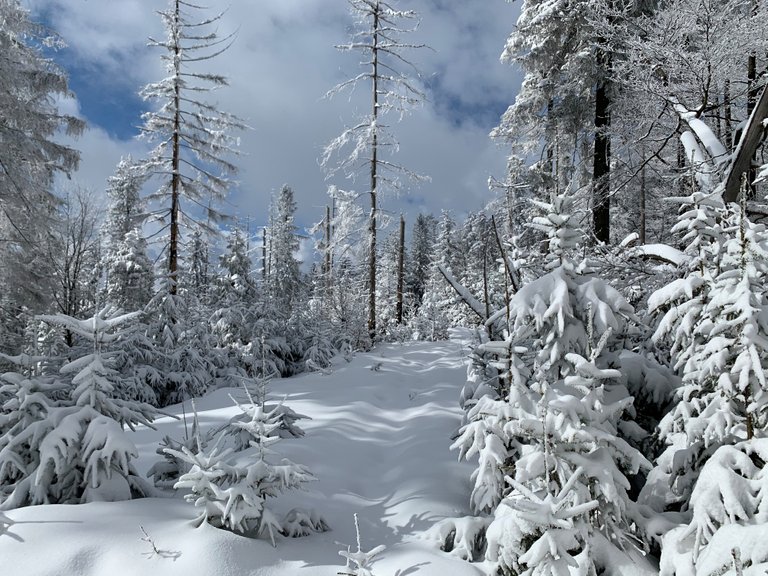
x,y
280,66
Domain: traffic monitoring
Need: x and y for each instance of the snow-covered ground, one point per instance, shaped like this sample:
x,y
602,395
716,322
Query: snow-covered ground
x,y
377,443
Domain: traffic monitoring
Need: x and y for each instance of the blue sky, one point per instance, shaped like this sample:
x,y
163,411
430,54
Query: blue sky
x,y
280,66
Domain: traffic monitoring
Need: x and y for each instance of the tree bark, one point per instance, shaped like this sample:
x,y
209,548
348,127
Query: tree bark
x,y
328,261
728,115
642,206
751,103
746,148
264,254
173,248
602,154
374,180
400,270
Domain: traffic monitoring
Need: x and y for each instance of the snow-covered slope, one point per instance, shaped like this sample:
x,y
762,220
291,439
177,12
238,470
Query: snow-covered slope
x,y
377,443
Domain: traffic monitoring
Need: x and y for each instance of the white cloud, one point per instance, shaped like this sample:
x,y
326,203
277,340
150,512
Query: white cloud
x,y
281,65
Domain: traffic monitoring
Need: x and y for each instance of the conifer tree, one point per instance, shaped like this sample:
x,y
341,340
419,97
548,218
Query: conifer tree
x,y
184,361
565,96
31,155
550,421
125,211
129,274
232,322
232,489
720,410
130,278
194,139
394,93
74,449
420,255
284,276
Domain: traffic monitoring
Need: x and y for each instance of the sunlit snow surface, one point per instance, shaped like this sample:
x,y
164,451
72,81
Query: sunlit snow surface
x,y
377,443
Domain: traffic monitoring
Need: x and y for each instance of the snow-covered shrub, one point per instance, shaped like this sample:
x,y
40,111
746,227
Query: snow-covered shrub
x,y
727,513
720,348
73,450
300,522
554,471
462,537
232,487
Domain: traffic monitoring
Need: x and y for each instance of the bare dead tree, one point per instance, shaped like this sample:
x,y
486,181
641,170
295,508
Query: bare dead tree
x,y
194,139
369,144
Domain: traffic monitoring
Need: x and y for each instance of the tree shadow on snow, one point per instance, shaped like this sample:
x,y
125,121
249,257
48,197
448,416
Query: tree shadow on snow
x,y
412,570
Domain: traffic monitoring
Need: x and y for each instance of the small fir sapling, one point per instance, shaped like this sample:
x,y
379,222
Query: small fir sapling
x,y
232,487
75,449
359,563
276,420
283,417
92,435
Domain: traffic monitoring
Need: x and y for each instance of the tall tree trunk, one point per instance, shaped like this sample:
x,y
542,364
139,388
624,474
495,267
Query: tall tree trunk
x,y
328,262
643,191
486,293
173,248
751,102
728,115
550,165
400,270
374,180
264,254
601,167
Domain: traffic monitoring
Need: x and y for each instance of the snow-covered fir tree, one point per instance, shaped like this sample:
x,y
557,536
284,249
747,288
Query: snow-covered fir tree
x,y
358,562
721,402
420,255
284,276
130,275
439,308
232,487
679,311
72,448
127,267
184,361
235,296
32,154
125,211
552,422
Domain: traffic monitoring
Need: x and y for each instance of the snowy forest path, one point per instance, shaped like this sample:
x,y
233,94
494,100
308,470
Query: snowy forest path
x,y
377,442
379,439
